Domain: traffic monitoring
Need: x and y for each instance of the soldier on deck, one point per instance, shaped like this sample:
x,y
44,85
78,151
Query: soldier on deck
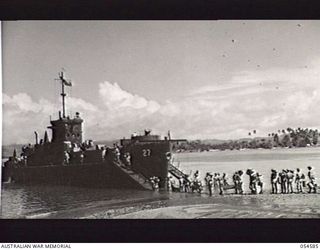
x,y
103,153
117,154
66,157
82,158
127,159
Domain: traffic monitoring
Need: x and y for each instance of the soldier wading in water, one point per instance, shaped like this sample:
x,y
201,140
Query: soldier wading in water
x,y
252,180
298,181
209,183
274,181
238,182
312,185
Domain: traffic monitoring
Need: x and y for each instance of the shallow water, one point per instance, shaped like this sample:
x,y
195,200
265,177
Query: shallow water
x,y
260,160
20,201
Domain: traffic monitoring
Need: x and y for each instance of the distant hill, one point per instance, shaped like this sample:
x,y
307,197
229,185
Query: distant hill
x,y
213,141
218,141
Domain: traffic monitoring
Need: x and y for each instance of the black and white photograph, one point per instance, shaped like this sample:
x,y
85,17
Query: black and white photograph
x,y
160,119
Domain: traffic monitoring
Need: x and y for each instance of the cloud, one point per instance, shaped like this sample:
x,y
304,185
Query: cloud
x,y
22,101
116,98
20,113
264,99
119,114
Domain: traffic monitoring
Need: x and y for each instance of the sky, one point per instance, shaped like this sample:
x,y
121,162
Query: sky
x,y
198,79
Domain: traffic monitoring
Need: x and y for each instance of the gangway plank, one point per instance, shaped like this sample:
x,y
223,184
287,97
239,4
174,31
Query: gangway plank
x,y
137,177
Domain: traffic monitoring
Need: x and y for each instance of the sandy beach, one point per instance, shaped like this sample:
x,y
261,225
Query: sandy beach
x,y
236,206
195,206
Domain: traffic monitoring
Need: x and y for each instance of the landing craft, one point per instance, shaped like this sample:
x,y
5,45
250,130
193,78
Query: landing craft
x,y
69,160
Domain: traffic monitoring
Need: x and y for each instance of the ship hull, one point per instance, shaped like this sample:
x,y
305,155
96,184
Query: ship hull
x,y
96,175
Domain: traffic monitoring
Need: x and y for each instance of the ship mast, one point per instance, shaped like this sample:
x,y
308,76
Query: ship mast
x,y
63,94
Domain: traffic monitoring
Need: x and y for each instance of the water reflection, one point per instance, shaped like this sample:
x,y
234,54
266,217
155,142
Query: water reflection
x,y
19,201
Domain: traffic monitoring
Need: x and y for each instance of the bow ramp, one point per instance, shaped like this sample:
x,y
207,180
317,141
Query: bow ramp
x,y
177,173
141,180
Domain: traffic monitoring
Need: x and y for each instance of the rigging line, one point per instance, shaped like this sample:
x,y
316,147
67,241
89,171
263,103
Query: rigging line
x,y
70,97
53,95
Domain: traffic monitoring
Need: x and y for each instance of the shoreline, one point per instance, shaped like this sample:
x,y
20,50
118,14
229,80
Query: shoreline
x,y
195,206
246,149
235,206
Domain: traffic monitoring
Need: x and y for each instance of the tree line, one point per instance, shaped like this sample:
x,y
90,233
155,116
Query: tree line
x,y
300,137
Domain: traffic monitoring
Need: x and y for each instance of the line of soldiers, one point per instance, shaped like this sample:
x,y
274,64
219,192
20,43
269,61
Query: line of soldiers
x,y
217,181
287,178
220,182
213,182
